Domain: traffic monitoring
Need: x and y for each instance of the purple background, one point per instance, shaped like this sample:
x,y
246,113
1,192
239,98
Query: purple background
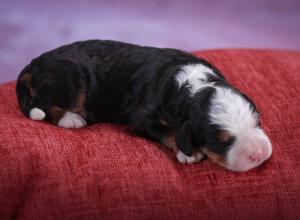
x,y
28,28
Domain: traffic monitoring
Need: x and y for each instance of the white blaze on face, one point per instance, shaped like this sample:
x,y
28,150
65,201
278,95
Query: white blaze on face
x,y
250,149
194,76
233,113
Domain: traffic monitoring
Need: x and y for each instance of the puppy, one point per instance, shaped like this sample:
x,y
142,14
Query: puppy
x,y
166,95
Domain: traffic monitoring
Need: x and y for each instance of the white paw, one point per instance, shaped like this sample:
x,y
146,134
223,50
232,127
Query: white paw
x,y
71,120
182,158
37,114
199,156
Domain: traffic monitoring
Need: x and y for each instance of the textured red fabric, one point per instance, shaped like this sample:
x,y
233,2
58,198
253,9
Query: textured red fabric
x,y
104,171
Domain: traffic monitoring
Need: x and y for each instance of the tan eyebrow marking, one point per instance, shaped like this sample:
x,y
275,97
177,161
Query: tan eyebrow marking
x,y
224,136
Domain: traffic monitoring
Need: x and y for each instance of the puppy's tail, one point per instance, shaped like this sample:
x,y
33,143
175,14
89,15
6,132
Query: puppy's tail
x,y
25,96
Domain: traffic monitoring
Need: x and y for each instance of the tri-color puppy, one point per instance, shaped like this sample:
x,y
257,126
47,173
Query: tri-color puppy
x,y
167,95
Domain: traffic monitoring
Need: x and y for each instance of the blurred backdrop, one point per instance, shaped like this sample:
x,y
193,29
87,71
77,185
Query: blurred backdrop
x,y
30,27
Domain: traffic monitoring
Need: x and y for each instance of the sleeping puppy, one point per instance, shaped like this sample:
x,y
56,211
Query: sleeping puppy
x,y
167,95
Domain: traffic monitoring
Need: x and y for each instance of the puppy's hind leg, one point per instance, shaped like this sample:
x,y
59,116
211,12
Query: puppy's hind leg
x,y
52,89
66,117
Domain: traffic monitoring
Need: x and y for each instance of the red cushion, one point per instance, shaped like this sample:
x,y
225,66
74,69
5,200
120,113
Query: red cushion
x,y
104,171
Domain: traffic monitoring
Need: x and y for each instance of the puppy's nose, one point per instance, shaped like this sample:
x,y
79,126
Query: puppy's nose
x,y
257,156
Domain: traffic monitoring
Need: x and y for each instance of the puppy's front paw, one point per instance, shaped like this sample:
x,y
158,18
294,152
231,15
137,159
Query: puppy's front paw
x,y
71,120
182,158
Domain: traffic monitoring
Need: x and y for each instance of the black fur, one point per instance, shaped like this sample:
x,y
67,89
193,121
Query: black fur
x,y
122,83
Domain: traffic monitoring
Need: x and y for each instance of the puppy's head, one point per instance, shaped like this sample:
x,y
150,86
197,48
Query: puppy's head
x,y
221,121
226,125
234,138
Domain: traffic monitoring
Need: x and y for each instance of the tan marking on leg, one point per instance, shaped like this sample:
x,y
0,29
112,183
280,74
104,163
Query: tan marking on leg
x,y
32,92
26,78
163,122
79,105
217,158
56,113
224,136
169,140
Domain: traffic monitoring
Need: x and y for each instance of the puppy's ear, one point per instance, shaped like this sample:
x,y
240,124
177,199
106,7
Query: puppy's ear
x,y
184,139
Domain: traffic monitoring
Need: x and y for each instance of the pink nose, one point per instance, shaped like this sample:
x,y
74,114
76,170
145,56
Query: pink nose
x,y
257,156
